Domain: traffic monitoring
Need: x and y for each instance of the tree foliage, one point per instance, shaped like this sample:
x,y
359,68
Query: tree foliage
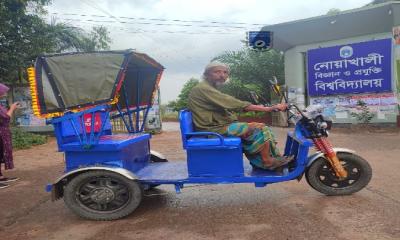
x,y
24,35
333,11
67,38
251,71
21,37
183,97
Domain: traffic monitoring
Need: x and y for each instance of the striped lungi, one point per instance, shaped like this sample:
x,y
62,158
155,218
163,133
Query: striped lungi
x,y
254,137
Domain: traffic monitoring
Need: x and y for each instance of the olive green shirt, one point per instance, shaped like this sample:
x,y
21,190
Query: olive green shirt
x,y
213,110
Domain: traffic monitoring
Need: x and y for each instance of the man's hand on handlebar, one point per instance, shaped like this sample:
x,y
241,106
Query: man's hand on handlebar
x,y
261,108
280,107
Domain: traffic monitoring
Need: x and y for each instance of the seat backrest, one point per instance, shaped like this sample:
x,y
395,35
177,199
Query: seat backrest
x,y
77,127
69,133
186,124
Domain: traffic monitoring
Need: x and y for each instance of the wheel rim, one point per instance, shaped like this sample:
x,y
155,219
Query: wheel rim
x,y
103,194
328,177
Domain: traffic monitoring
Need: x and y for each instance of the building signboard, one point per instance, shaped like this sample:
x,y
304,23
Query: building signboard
x,y
354,68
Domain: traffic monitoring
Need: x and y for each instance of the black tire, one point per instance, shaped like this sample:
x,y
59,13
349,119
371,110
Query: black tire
x,y
102,195
321,177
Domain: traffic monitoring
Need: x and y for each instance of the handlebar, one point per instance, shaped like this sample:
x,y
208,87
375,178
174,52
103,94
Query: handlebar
x,y
275,87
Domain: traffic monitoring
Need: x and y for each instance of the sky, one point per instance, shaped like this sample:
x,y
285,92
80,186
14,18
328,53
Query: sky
x,y
185,35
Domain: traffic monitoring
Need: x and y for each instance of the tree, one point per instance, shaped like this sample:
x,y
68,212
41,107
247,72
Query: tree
x,y
171,105
21,37
98,39
239,89
183,97
333,11
251,70
67,38
24,35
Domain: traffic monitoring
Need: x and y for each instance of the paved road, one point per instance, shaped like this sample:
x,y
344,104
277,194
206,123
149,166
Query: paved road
x,y
288,210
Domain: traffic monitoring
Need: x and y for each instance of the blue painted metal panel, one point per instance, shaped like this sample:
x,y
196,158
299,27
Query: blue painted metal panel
x,y
288,145
131,154
186,124
177,173
224,162
209,167
210,154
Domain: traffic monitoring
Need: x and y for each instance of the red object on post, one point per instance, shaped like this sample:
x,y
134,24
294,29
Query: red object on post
x,y
87,119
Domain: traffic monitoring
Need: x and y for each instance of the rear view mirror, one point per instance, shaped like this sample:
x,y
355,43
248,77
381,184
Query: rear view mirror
x,y
275,87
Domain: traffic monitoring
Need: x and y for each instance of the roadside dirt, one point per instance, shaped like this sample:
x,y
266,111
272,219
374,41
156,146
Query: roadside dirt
x,y
288,210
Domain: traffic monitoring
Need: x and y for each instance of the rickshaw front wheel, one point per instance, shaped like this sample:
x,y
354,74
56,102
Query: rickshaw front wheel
x,y
322,178
102,195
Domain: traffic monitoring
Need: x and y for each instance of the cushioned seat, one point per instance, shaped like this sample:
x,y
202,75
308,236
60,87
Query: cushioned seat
x,y
201,142
109,142
191,138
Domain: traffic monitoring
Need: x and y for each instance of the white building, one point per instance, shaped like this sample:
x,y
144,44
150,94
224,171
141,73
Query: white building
x,y
338,59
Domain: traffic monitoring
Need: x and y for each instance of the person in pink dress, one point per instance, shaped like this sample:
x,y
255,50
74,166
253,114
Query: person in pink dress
x,y
6,157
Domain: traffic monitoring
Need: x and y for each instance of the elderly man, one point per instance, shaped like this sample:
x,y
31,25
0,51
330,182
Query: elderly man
x,y
213,111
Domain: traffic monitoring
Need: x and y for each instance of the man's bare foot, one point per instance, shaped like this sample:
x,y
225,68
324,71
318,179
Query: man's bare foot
x,y
278,162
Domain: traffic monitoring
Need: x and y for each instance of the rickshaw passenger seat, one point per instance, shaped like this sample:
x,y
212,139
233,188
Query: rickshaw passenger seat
x,y
68,134
209,153
76,129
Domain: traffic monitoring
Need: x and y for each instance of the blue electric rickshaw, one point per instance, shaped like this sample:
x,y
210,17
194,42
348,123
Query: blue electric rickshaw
x,y
106,173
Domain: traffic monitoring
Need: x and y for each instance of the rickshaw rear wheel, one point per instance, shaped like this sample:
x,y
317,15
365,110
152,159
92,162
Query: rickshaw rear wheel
x,y
102,195
322,178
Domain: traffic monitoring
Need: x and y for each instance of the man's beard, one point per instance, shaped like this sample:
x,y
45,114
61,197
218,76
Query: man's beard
x,y
221,83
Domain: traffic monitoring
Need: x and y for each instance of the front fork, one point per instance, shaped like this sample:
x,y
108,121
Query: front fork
x,y
322,144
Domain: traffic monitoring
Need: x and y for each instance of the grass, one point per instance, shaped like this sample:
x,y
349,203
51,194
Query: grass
x,y
22,139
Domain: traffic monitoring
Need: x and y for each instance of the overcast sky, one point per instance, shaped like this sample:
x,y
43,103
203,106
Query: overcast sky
x,y
182,35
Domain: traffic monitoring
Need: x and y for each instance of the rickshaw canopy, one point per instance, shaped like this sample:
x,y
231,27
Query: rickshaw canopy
x,y
74,81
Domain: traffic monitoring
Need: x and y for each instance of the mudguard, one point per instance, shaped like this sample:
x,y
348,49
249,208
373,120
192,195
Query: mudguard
x,y
57,188
317,155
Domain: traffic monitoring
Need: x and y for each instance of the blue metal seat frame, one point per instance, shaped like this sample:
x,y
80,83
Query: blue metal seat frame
x,y
84,146
76,122
208,153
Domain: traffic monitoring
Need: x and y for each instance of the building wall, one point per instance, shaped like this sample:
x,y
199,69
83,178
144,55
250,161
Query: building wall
x,y
295,76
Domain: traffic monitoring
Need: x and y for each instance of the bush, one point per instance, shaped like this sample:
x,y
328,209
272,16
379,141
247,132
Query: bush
x,y
22,139
364,115
173,116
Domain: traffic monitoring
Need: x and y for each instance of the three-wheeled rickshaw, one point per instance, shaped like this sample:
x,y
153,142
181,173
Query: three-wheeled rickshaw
x,y
106,173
